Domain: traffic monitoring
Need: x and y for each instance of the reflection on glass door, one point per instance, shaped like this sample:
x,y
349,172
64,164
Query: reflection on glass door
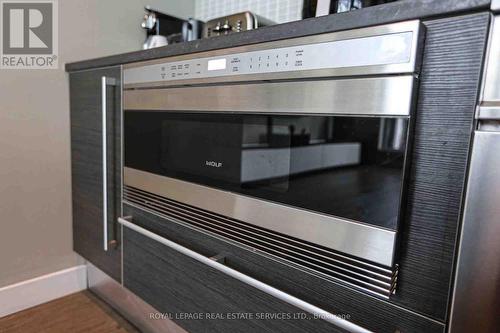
x,y
350,167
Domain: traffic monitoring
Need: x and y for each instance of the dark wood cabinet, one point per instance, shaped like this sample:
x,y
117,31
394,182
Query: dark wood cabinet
x,y
201,299
93,93
176,284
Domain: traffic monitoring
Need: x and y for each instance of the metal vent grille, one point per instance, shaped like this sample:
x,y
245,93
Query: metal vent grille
x,y
372,278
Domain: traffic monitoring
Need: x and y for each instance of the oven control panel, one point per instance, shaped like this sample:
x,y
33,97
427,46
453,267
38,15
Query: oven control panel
x,y
379,50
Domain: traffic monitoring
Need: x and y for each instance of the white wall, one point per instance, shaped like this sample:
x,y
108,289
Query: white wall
x,y
35,174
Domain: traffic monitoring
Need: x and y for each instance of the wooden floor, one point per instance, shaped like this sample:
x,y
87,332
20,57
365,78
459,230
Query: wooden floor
x,y
81,312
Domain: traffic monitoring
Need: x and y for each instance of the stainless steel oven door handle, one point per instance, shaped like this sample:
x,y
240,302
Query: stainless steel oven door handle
x,y
215,263
105,82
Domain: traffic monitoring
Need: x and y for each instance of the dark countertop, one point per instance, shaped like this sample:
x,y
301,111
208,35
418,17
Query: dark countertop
x,y
393,12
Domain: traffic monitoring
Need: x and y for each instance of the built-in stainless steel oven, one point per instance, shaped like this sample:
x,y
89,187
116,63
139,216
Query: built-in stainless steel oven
x,y
297,149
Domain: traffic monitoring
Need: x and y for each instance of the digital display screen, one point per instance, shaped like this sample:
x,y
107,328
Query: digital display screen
x,y
216,64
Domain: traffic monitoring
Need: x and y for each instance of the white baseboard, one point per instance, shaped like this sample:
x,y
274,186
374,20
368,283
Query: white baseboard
x,y
42,289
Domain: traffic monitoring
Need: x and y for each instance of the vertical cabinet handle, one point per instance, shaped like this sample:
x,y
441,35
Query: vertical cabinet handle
x,y
105,82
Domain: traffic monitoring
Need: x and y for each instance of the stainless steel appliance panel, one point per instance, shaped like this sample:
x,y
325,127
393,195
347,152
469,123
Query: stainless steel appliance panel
x,y
491,93
495,5
476,300
362,240
488,113
370,51
387,49
389,96
194,120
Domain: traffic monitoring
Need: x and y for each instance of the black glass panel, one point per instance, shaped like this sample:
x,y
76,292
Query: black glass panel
x,y
351,167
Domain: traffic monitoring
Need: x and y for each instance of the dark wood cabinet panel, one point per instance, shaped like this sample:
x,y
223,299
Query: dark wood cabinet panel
x,y
449,84
369,312
87,164
202,299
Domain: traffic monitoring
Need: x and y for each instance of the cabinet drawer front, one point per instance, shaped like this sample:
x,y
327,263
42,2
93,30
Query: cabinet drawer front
x,y
203,299
365,311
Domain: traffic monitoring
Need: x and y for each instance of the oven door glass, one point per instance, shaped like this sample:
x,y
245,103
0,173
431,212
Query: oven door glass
x,y
345,166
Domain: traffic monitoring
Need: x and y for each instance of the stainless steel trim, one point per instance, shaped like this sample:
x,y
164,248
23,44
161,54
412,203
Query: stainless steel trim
x,y
388,96
122,164
292,300
105,82
373,51
491,94
409,67
475,298
104,162
495,5
323,7
414,26
122,140
488,113
353,238
196,213
477,279
313,259
128,304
